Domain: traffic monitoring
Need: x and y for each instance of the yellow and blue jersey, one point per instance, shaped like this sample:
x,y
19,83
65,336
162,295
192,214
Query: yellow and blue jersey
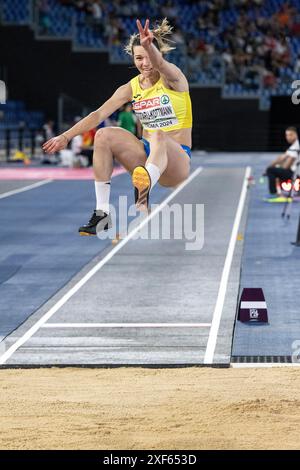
x,y
159,108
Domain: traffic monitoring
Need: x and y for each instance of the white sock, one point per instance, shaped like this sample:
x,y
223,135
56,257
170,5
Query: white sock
x,y
154,173
102,189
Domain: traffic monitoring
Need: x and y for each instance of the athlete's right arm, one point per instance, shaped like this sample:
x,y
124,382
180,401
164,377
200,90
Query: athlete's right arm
x,y
121,96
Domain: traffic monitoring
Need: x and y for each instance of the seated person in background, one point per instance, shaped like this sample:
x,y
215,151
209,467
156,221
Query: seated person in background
x,y
284,166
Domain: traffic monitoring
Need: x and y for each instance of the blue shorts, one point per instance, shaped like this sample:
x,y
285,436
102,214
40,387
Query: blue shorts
x,y
147,148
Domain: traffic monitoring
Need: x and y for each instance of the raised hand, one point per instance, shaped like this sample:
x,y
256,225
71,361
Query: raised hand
x,y
55,144
146,36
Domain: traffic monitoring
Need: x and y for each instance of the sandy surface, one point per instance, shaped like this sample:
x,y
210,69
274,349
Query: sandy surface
x,y
193,408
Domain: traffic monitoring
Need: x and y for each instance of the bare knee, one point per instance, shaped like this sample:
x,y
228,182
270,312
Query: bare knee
x,y
103,136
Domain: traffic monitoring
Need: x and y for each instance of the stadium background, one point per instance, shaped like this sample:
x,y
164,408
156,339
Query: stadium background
x,y
241,58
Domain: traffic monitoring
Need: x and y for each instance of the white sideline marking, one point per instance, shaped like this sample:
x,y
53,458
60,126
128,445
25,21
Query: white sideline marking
x,y
93,271
126,325
25,188
212,339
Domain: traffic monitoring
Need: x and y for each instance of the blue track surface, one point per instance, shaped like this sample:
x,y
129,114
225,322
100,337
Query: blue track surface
x,y
40,246
272,263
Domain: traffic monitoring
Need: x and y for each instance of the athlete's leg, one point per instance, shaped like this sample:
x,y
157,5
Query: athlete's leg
x,y
273,173
167,163
178,164
158,150
110,143
143,179
114,142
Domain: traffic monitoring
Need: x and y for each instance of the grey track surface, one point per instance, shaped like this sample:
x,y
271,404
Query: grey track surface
x,y
149,281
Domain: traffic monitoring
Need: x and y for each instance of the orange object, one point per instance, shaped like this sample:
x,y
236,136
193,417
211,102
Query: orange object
x,y
88,138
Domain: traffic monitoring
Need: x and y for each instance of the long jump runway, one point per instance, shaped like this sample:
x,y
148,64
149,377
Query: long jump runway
x,y
137,302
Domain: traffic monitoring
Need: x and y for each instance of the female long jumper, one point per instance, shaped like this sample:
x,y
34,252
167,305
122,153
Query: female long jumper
x,y
161,102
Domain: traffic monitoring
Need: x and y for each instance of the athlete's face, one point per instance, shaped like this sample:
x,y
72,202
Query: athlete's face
x,y
290,136
142,61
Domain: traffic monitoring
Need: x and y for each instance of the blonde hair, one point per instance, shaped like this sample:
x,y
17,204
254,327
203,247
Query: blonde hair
x,y
160,33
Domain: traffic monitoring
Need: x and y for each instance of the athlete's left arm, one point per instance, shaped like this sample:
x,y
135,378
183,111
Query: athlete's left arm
x,y
170,73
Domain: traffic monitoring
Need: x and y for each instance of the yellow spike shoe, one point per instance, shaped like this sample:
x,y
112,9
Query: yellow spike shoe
x,y
142,184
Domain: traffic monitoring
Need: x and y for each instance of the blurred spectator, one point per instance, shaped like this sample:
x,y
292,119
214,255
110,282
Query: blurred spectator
x,y
284,166
178,36
48,129
297,65
127,119
193,64
253,46
39,140
87,147
44,17
269,79
170,10
75,156
295,28
88,138
76,148
96,10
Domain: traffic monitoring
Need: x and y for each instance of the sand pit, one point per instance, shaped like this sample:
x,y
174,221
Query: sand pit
x,y
135,408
